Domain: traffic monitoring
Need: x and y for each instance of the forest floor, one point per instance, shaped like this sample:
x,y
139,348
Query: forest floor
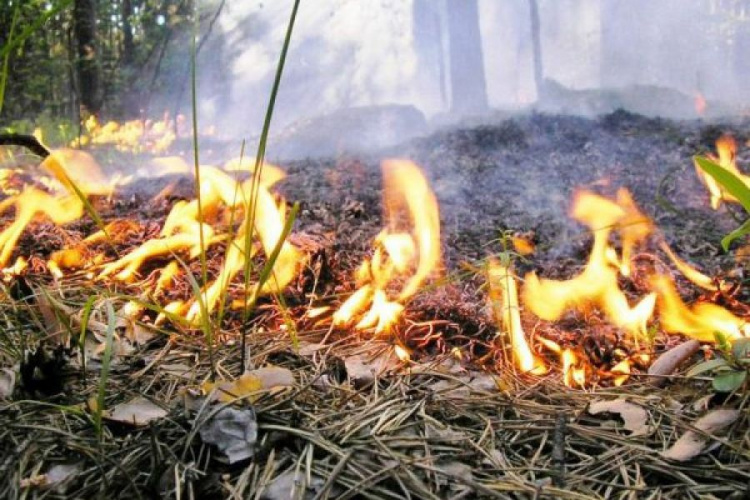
x,y
355,421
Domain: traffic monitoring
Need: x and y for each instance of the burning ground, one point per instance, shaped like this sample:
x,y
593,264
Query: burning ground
x,y
375,364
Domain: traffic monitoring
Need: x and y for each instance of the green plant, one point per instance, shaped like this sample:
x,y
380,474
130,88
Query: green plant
x,y
730,368
104,375
734,186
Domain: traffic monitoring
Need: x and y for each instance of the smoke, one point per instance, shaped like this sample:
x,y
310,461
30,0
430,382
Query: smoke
x,y
650,57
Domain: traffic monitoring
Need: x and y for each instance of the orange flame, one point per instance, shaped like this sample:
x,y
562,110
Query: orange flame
x,y
409,253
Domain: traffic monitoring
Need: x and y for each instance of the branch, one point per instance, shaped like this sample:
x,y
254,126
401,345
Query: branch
x,y
27,141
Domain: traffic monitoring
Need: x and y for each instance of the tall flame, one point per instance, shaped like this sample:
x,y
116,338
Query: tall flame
x,y
408,248
504,302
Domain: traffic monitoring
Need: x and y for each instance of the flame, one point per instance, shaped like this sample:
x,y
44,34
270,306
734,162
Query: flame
x,y
692,274
597,285
408,253
700,104
726,148
135,136
701,321
504,301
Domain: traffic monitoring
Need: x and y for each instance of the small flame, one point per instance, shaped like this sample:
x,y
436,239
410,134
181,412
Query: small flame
x,y
700,104
701,321
504,301
692,274
411,253
726,148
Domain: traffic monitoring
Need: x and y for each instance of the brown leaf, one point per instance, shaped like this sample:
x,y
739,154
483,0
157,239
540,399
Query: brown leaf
x,y
635,417
692,443
668,362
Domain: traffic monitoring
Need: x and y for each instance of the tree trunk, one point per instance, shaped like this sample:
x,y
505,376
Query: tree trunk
x,y
428,44
468,87
87,64
536,46
128,48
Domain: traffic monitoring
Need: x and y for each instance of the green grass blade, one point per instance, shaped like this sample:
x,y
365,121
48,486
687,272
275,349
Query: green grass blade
x,y
726,179
259,159
6,57
737,233
82,337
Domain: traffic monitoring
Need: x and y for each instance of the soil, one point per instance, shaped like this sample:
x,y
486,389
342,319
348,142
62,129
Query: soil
x,y
515,175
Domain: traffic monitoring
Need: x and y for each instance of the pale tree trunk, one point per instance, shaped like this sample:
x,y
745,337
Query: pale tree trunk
x,y
468,87
536,46
87,65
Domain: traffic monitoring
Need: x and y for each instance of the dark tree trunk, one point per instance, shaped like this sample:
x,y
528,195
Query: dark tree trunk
x,y
87,64
128,48
468,87
536,46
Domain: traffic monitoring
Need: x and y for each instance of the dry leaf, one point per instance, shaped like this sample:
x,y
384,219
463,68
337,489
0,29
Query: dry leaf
x,y
54,477
363,370
635,417
668,362
291,484
138,411
692,443
233,431
251,382
7,382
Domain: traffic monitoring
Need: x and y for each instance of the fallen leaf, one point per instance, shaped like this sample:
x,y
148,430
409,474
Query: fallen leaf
x,y
138,412
634,417
291,484
233,431
53,478
273,376
7,382
249,383
363,370
668,362
692,443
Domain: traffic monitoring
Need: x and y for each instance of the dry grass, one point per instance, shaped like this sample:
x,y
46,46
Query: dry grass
x,y
433,430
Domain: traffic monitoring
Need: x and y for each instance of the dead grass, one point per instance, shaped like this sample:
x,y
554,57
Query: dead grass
x,y
433,430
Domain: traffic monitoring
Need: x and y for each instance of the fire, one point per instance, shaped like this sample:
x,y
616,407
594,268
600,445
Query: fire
x,y
598,284
726,147
407,249
504,302
74,175
701,322
222,197
153,136
700,104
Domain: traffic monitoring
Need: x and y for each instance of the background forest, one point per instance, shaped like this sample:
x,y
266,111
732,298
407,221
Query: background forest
x,y
122,59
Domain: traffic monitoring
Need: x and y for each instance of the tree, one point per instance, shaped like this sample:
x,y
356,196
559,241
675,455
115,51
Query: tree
x,y
466,61
87,64
536,45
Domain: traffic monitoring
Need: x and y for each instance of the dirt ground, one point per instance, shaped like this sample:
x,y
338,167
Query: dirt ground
x,y
445,430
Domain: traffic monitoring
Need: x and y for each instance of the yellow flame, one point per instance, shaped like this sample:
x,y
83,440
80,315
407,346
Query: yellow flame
x,y
726,148
597,285
408,248
701,321
504,301
692,274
